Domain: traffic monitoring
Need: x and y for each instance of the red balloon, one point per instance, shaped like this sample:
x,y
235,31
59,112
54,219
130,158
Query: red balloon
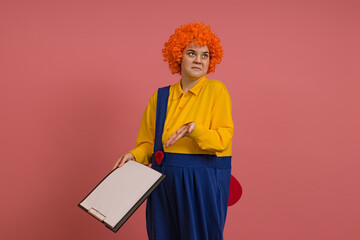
x,y
235,191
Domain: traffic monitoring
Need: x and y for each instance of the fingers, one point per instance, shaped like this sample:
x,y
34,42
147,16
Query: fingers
x,y
117,163
176,136
191,127
180,133
123,159
127,157
173,138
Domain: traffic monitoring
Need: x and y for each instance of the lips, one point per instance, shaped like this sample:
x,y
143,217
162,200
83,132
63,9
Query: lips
x,y
196,68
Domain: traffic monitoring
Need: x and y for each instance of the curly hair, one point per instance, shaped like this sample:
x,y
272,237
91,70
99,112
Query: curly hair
x,y
183,36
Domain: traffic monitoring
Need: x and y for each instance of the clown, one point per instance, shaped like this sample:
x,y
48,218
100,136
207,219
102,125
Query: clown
x,y
186,133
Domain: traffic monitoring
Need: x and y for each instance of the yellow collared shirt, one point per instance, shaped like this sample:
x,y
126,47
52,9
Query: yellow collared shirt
x,y
207,104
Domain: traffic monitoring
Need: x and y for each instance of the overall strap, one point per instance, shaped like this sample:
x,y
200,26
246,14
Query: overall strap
x,y
161,108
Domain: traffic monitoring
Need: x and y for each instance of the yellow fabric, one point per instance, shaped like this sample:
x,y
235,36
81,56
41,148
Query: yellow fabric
x,y
207,104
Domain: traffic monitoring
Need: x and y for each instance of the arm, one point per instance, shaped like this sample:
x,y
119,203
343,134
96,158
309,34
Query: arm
x,y
145,140
217,137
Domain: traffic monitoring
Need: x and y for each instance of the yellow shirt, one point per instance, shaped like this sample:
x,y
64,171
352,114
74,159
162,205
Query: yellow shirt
x,y
207,104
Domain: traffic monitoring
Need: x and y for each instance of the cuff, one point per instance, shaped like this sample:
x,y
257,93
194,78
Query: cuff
x,y
140,156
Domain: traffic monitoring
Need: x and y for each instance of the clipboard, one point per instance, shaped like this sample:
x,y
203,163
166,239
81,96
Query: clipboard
x,y
121,193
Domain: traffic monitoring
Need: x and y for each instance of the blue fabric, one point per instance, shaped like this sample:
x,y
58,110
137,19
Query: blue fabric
x,y
191,203
161,107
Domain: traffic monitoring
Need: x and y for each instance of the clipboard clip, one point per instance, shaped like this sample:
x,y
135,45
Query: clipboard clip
x,y
97,214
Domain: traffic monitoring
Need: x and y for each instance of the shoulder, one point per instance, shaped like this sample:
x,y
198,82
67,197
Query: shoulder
x,y
154,96
153,99
215,86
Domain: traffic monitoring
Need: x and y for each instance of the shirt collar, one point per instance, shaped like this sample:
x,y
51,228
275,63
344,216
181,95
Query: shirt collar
x,y
178,92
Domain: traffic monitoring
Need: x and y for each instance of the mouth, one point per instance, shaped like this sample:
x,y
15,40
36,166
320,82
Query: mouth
x,y
196,68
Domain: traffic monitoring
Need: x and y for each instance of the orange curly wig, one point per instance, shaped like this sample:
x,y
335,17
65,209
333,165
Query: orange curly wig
x,y
183,36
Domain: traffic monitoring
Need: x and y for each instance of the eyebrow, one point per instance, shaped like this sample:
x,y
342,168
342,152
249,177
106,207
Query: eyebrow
x,y
192,50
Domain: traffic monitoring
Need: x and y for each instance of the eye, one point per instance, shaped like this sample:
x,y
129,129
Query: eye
x,y
192,54
205,56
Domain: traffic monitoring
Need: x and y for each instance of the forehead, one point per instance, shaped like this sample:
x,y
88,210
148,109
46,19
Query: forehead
x,y
197,48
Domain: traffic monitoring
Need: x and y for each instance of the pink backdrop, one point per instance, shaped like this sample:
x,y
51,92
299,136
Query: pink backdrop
x,y
77,75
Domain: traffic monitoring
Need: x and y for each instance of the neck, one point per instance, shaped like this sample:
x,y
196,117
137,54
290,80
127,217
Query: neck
x,y
188,83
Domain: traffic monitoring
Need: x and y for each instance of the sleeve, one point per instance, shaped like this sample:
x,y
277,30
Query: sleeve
x,y
145,139
217,137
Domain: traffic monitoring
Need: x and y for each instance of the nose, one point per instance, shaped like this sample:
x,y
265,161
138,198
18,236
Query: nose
x,y
197,59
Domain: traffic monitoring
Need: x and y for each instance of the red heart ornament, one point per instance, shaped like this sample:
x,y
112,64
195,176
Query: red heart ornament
x,y
235,191
159,155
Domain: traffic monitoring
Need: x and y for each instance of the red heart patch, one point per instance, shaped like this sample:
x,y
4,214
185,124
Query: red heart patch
x,y
159,155
235,191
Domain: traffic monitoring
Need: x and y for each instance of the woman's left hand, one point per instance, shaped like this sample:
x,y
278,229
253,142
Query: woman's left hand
x,y
180,133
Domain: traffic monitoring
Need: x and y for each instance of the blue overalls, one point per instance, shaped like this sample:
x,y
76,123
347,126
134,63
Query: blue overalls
x,y
191,203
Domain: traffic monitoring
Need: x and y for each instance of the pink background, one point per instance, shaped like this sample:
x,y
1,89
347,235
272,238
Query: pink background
x,y
77,75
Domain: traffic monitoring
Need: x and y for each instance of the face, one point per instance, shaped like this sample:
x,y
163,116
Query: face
x,y
195,61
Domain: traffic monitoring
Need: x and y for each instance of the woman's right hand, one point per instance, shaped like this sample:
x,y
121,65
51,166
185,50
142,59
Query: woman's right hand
x,y
123,159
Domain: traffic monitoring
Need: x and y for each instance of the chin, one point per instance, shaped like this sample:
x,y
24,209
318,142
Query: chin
x,y
197,74
194,74
195,77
